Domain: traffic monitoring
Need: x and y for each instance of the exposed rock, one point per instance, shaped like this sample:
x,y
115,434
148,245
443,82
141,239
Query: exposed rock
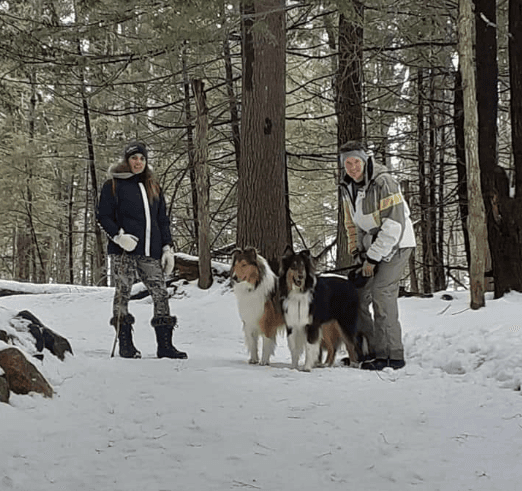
x,y
21,375
5,292
45,337
188,267
3,336
4,389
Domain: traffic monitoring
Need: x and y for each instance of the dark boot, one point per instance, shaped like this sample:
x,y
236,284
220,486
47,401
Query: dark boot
x,y
164,327
125,344
381,364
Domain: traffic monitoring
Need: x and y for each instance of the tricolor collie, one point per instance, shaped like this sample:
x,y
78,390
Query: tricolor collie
x,y
317,308
257,292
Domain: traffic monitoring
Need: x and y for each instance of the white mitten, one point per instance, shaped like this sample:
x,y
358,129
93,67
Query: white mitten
x,y
127,242
167,260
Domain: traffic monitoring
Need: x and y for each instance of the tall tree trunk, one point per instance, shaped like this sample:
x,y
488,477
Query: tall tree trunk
x,y
423,187
70,232
37,262
412,266
440,277
348,104
506,221
504,214
22,254
99,276
262,220
460,152
190,151
232,101
487,99
99,272
202,184
434,203
85,228
477,219
515,79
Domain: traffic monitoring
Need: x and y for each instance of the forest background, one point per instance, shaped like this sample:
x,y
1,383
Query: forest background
x,y
243,106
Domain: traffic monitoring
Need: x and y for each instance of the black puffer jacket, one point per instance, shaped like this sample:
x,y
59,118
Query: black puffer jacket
x,y
128,208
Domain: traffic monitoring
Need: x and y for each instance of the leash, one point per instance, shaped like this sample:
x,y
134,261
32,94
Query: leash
x,y
338,270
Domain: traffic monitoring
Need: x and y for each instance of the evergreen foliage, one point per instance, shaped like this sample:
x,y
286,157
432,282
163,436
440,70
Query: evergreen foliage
x,y
78,79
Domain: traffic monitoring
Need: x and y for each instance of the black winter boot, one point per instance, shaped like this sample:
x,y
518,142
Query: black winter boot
x,y
126,345
164,327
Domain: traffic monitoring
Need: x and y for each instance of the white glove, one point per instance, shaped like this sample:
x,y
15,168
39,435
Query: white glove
x,y
167,260
127,242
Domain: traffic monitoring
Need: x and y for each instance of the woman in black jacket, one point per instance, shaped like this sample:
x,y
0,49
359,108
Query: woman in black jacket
x,y
132,212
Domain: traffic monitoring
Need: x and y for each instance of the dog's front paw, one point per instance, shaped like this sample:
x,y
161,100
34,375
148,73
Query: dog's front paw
x,y
253,361
264,363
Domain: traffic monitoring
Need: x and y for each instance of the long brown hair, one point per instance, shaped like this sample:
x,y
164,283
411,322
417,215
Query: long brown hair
x,y
147,177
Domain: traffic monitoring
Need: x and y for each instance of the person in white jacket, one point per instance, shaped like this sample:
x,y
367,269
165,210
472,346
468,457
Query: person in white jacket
x,y
381,239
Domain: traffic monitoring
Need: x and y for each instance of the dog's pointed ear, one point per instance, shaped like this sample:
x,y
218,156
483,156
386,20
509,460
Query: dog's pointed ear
x,y
235,253
288,251
307,256
251,253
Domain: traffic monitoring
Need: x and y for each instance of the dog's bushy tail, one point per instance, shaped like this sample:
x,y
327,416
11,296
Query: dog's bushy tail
x,y
361,345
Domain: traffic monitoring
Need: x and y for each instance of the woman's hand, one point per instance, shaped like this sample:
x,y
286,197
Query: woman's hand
x,y
127,242
167,260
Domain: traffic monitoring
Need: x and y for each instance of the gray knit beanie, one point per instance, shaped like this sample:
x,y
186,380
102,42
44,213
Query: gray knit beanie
x,y
360,154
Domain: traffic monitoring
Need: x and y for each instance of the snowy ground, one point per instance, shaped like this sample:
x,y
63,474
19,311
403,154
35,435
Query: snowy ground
x,y
451,420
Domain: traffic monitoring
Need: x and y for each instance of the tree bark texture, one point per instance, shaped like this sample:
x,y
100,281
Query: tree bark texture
x,y
503,213
99,276
190,152
435,194
348,105
423,188
440,277
515,78
477,219
487,100
232,101
262,214
460,153
202,184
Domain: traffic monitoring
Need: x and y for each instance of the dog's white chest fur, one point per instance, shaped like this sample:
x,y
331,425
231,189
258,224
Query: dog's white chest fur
x,y
250,301
297,309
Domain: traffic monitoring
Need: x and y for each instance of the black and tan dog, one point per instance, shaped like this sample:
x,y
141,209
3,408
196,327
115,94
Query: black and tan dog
x,y
316,309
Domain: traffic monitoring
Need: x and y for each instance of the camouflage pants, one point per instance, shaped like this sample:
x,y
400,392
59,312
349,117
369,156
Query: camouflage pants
x,y
149,271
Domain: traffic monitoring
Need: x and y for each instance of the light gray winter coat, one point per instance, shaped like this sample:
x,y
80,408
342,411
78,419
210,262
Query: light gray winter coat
x,y
377,217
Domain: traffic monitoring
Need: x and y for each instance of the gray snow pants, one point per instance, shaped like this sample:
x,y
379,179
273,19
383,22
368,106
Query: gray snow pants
x,y
381,292
149,271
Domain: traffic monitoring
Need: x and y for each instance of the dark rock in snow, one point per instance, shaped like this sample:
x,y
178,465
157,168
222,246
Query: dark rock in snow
x,y
21,375
4,389
45,337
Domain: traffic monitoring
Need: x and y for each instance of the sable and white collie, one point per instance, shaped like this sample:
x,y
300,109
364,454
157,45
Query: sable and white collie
x,y
316,309
257,292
